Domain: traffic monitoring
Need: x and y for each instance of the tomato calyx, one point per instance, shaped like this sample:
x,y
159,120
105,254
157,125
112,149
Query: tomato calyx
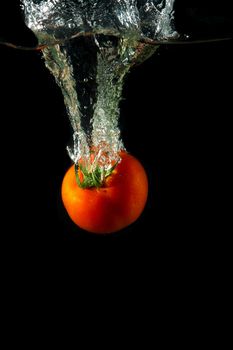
x,y
92,170
95,178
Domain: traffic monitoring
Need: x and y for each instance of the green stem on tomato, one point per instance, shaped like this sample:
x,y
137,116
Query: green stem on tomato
x,y
95,178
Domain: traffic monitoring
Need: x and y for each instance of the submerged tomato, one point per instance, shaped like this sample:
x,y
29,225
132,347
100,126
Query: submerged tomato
x,y
115,205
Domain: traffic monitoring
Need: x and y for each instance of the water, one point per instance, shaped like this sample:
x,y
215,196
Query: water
x,y
90,47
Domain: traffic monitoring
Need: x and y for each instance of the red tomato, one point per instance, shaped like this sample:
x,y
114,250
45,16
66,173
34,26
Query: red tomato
x,y
115,205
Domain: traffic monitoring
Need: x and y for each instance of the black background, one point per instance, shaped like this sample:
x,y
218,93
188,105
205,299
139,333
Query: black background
x,y
175,118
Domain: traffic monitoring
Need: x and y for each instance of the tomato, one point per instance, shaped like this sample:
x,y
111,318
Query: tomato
x,y
114,205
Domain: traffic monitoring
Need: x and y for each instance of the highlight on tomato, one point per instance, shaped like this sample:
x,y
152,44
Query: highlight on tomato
x,y
105,202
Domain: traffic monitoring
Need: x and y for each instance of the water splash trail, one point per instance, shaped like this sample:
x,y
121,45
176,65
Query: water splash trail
x,y
90,69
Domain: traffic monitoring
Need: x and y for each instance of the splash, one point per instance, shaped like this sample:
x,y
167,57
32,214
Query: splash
x,y
89,48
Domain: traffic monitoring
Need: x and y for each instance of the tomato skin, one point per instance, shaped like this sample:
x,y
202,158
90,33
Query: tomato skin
x,y
112,207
